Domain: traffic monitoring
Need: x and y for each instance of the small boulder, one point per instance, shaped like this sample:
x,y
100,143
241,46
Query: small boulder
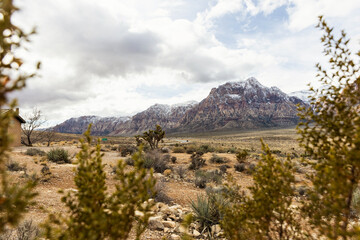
x,y
196,233
215,229
155,223
139,214
174,237
169,224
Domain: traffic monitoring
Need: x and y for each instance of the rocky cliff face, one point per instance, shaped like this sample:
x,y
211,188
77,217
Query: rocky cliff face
x,y
167,116
100,125
244,105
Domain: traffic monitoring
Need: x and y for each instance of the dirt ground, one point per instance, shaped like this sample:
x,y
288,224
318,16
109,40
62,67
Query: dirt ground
x,y
181,191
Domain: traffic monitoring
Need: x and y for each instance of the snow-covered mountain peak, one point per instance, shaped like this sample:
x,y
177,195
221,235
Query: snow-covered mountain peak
x,y
185,104
302,94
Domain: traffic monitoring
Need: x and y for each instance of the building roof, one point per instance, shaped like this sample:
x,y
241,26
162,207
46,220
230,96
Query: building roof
x,y
16,115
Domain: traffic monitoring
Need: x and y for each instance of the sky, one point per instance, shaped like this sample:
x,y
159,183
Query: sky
x,y
117,58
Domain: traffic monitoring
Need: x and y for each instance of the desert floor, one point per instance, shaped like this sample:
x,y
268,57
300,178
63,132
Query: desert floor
x,y
180,190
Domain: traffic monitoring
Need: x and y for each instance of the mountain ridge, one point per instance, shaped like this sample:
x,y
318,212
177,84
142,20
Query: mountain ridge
x,y
243,104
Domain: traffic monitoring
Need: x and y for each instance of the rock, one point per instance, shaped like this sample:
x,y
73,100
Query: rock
x,y
158,175
159,205
169,224
174,237
139,214
155,223
181,229
215,229
196,233
166,210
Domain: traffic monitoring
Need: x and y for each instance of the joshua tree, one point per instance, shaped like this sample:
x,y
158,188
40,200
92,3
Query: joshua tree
x,y
152,137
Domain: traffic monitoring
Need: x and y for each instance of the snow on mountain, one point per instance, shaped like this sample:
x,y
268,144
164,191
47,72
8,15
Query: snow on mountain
x,y
303,95
245,105
184,104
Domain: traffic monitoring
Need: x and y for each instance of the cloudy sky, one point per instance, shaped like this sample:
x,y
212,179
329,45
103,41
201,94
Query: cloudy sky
x,y
118,57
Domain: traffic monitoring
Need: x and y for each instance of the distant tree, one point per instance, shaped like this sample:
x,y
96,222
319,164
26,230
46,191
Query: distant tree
x,y
265,213
152,137
93,213
330,134
14,198
33,122
49,135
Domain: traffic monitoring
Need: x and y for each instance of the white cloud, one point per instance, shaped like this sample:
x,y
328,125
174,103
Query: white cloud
x,y
304,13
243,7
118,57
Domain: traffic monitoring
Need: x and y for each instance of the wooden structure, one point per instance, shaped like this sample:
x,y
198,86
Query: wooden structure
x,y
15,128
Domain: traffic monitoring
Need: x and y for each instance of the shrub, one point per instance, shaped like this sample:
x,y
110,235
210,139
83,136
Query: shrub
x,y
200,182
45,170
202,177
265,211
275,151
166,157
160,192
207,210
94,212
165,150
58,155
25,231
220,150
178,150
181,171
205,148
231,150
15,166
129,161
251,168
196,161
35,152
241,156
156,160
240,167
329,132
15,198
191,149
217,159
223,169
173,159
127,150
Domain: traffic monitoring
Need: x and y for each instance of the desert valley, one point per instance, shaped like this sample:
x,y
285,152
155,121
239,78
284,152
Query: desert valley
x,y
179,120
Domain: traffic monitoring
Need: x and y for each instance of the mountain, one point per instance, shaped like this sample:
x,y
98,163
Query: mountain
x,y
167,116
243,105
100,125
